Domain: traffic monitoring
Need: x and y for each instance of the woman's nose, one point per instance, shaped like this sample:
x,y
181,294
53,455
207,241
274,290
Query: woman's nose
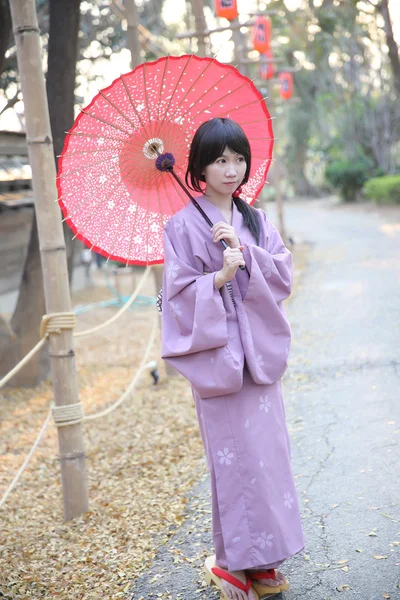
x,y
231,171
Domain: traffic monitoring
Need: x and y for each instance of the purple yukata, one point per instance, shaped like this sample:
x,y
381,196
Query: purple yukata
x,y
232,345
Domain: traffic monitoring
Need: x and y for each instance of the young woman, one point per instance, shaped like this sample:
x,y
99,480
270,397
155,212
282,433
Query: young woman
x,y
225,329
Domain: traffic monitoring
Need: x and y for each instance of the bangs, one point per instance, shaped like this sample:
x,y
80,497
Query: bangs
x,y
209,143
221,138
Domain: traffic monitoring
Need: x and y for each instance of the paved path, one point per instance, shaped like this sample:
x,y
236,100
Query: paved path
x,y
343,410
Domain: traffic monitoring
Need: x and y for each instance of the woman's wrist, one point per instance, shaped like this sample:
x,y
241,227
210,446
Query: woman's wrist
x,y
219,280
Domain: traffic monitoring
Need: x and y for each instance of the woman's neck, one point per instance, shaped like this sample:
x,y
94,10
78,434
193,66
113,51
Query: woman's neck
x,y
223,203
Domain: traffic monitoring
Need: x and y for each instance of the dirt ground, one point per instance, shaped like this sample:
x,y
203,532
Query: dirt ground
x,y
142,460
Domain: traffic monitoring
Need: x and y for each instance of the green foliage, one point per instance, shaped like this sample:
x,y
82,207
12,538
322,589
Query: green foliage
x,y
383,190
348,177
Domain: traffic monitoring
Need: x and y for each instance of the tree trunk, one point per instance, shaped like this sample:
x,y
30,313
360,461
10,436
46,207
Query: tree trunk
x,y
23,332
132,33
5,30
391,43
60,84
201,25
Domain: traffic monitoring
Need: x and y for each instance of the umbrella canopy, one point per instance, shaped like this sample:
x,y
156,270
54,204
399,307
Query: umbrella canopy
x,y
112,194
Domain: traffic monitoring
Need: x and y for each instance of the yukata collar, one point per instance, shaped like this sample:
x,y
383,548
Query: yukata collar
x,y
216,215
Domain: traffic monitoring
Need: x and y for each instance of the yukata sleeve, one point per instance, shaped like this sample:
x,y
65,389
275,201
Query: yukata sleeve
x,y
194,324
268,282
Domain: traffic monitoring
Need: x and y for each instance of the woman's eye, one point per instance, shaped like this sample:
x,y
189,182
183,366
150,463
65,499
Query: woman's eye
x,y
241,159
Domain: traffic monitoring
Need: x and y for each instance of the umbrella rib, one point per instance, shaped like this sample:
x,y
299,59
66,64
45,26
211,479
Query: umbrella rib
x,y
179,189
81,168
118,227
250,122
132,233
103,121
222,98
93,136
133,169
90,215
118,110
249,104
133,105
229,72
167,196
145,91
161,87
211,62
105,223
84,152
176,86
87,199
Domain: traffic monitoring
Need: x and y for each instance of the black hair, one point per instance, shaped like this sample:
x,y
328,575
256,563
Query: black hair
x,y
208,144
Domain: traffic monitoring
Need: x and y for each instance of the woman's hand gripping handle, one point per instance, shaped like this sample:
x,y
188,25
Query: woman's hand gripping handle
x,y
233,259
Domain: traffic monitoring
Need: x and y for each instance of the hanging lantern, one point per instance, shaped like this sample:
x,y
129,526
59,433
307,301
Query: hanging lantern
x,y
267,70
226,9
286,88
261,34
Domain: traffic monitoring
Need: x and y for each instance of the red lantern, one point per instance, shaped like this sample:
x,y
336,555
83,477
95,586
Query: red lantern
x,y
267,70
286,89
227,9
261,34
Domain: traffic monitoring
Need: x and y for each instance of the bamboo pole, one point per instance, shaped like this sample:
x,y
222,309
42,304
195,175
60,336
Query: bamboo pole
x,y
132,37
52,249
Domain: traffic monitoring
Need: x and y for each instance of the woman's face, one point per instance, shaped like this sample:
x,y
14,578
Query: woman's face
x,y
225,174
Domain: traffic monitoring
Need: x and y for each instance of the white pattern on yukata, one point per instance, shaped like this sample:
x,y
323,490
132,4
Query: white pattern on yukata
x,y
172,270
175,309
180,226
288,500
247,424
265,404
225,456
265,540
260,361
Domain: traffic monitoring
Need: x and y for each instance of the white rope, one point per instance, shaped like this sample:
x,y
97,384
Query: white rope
x,y
134,381
61,413
26,461
22,362
69,414
55,322
121,311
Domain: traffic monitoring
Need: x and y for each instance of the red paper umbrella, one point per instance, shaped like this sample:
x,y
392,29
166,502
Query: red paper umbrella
x,y
111,191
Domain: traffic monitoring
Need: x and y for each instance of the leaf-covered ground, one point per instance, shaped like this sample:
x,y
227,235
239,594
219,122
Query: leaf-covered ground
x,y
142,459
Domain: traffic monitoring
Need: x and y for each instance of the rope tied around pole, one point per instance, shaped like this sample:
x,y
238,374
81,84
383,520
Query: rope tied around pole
x,y
55,322
70,414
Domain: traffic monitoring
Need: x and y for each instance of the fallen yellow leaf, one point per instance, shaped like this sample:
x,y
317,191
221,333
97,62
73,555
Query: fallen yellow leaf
x,y
380,557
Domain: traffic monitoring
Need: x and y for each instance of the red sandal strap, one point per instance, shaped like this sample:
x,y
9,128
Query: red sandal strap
x,y
231,579
268,574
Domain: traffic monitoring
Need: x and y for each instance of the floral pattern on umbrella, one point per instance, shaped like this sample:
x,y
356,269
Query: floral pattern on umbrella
x,y
111,193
